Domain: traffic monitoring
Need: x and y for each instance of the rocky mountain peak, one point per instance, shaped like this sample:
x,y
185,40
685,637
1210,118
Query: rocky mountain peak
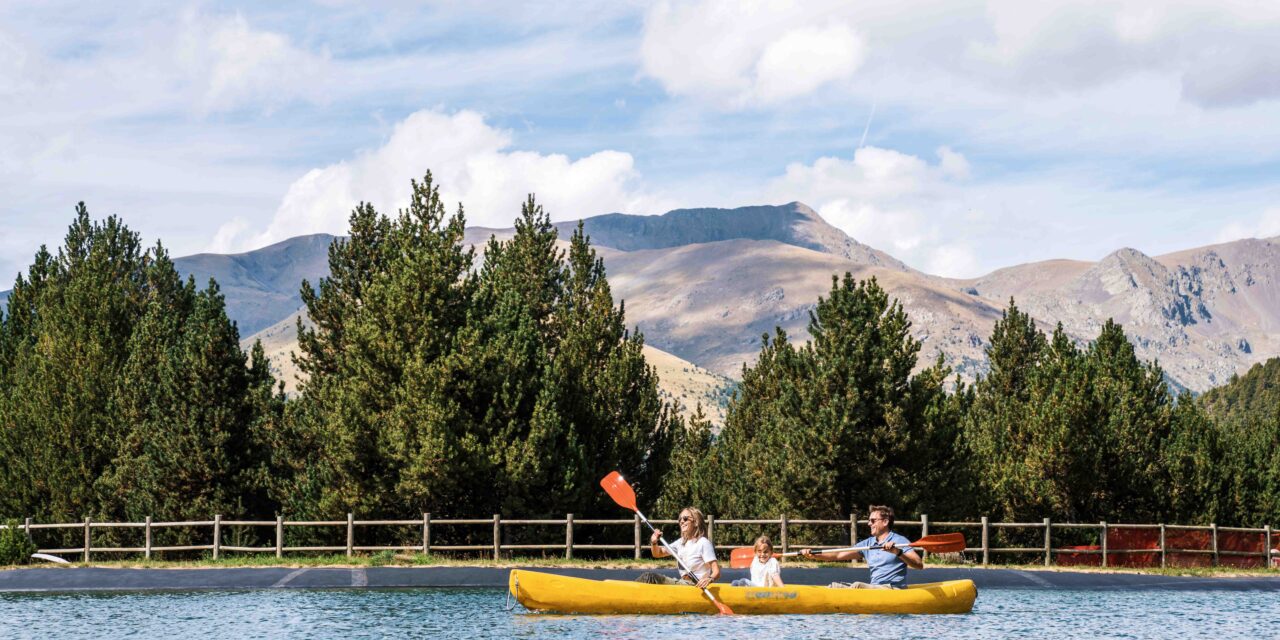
x,y
1124,270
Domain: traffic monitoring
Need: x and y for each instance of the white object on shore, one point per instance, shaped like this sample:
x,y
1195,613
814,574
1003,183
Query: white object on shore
x,y
45,556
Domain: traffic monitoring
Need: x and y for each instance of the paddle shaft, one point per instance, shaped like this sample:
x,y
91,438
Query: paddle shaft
x,y
840,550
672,552
622,493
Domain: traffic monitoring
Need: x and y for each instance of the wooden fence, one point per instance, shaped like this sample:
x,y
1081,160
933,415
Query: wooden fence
x,y
784,526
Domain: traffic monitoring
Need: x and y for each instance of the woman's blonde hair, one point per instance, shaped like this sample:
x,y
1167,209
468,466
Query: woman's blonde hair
x,y
699,523
763,540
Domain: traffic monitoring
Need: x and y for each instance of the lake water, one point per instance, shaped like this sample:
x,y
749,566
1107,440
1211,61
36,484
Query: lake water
x,y
288,613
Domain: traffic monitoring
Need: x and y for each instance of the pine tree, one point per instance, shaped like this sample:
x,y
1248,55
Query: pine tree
x,y
692,451
67,331
610,393
377,405
1133,405
122,389
995,429
514,311
835,424
1245,418
1193,459
434,388
190,438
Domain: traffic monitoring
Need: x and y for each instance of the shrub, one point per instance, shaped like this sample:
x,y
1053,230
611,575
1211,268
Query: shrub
x,y
15,547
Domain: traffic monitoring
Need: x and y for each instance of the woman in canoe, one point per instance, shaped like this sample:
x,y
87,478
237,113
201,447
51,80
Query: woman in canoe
x,y
694,550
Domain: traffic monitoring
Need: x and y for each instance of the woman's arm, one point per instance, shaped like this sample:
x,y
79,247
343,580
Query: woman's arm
x,y
714,566
657,551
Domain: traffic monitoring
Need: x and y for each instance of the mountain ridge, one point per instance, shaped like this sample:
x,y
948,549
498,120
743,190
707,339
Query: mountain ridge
x,y
705,284
793,223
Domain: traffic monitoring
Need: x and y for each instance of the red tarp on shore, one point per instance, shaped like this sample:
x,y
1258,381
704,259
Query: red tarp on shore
x,y
1126,538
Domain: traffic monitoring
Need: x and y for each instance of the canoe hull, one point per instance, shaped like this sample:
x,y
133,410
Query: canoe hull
x,y
539,591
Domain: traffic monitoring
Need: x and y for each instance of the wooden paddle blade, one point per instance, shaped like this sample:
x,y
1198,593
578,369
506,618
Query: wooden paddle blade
x,y
619,490
941,543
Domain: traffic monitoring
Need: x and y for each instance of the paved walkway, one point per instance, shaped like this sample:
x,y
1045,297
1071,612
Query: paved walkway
x,y
102,579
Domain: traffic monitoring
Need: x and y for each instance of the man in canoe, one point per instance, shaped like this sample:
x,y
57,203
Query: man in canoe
x,y
694,549
888,559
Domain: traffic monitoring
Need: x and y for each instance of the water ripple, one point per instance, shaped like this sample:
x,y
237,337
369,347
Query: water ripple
x,y
292,613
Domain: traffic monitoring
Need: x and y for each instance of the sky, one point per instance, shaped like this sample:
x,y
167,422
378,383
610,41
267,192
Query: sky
x,y
959,136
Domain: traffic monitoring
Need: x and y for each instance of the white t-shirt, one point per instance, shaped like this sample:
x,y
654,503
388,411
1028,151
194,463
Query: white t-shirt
x,y
760,571
695,555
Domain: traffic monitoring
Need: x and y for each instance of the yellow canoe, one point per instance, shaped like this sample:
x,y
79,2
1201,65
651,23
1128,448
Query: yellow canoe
x,y
563,594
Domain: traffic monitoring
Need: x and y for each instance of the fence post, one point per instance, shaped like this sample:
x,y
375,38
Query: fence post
x,y
1266,546
86,540
1104,542
497,536
782,539
279,536
924,531
1162,547
1048,548
426,533
637,516
27,527
1213,528
985,547
853,528
217,535
568,536
711,528
351,533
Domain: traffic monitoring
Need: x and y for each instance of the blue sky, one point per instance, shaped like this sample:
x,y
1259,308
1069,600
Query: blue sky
x,y
959,136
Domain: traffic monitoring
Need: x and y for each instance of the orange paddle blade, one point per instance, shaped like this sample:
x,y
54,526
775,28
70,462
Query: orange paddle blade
x,y
619,490
720,606
741,557
941,543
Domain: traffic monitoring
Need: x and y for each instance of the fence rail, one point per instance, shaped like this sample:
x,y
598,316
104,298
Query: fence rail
x,y
784,525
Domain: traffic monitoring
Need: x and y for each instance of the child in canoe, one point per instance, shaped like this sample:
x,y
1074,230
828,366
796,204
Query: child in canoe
x,y
765,571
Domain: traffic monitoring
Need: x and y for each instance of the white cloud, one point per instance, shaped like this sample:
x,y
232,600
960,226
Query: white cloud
x,y
471,162
741,54
952,163
14,63
890,200
803,60
1265,225
1235,73
233,65
224,240
1221,53
956,260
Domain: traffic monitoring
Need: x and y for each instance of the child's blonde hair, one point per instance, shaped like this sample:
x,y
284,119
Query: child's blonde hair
x,y
763,540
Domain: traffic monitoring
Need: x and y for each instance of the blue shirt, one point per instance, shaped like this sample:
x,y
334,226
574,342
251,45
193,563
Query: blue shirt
x,y
886,567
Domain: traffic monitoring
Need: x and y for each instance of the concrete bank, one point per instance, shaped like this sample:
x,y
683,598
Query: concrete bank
x,y
103,579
